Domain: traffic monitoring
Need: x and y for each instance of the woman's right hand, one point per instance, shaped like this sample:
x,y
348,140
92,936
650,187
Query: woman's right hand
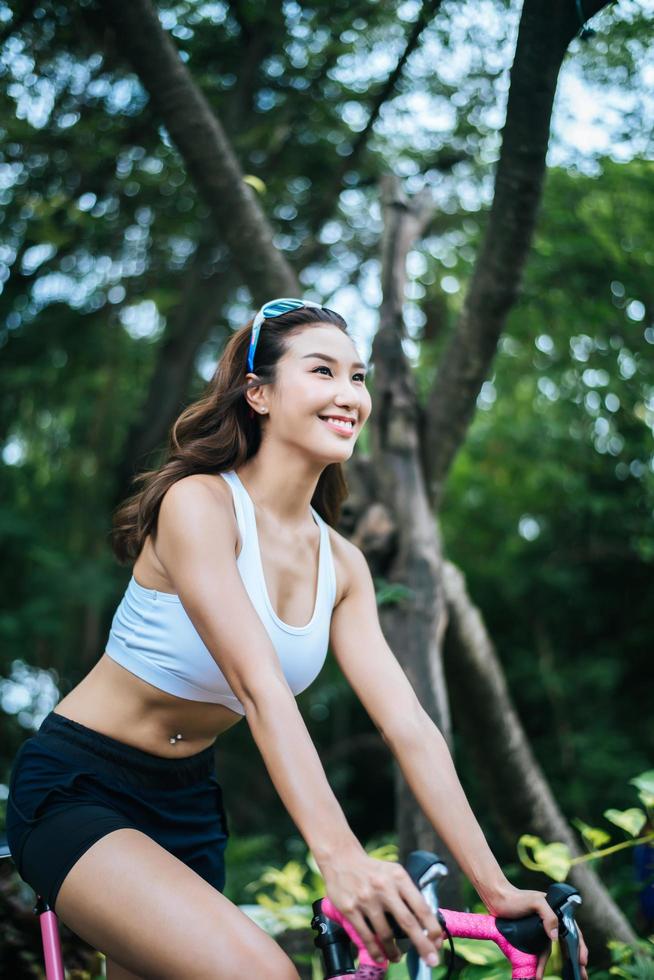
x,y
360,885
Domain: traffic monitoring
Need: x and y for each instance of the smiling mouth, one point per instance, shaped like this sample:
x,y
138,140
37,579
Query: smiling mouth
x,y
337,425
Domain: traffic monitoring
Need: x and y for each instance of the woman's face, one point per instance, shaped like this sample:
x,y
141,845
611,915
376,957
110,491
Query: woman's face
x,y
310,387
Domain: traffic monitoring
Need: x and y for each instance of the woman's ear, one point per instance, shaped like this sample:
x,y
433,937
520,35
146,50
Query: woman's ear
x,y
256,397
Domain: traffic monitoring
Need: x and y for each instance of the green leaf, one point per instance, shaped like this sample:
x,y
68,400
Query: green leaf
x,y
391,593
595,837
481,952
645,781
645,785
631,820
256,183
385,852
553,859
496,971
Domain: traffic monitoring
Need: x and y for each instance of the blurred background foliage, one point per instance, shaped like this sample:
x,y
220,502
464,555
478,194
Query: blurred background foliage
x,y
549,506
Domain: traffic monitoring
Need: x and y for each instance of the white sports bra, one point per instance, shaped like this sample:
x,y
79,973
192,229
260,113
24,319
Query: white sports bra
x,y
152,636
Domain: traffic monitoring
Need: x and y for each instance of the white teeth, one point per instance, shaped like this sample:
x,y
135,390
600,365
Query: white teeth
x,y
347,426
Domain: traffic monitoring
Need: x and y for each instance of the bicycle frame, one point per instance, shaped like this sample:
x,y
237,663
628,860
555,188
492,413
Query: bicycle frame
x,y
54,964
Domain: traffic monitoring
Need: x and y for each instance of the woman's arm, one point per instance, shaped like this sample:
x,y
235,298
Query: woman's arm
x,y
427,766
445,805
420,748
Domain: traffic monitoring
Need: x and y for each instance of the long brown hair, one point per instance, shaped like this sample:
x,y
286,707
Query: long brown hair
x,y
217,433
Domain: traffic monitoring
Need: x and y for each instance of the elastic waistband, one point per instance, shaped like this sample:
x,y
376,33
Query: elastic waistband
x,y
86,744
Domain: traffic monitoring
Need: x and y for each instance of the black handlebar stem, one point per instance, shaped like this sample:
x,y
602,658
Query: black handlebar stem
x,y
333,942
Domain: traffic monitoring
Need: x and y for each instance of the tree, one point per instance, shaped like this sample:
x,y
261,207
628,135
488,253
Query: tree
x,y
468,354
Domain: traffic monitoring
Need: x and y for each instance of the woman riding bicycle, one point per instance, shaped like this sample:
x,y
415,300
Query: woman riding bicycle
x,y
240,582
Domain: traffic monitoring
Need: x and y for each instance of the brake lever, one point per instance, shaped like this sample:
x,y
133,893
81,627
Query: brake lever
x,y
427,871
569,937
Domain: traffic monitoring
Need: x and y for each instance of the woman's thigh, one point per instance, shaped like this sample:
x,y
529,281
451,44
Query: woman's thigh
x,y
156,918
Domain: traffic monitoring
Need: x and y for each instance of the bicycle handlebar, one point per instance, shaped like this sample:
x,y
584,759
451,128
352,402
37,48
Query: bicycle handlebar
x,y
521,940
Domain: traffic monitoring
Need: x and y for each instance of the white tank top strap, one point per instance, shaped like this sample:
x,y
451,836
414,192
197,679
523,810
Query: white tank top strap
x,y
240,507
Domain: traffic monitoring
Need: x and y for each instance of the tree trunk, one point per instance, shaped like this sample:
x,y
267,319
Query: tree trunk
x,y
414,625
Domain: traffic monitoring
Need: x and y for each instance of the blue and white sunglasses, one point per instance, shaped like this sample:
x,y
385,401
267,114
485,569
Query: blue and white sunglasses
x,y
269,310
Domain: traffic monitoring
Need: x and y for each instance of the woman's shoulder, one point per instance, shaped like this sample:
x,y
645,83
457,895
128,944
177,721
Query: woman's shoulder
x,y
197,487
199,494
198,498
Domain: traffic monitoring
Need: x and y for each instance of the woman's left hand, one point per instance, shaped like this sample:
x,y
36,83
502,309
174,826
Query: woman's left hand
x,y
513,903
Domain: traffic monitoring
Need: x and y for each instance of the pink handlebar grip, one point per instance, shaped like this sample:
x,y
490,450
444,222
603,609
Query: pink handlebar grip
x,y
466,925
472,925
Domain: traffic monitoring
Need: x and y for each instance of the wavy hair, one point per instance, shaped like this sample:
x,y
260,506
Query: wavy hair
x,y
217,433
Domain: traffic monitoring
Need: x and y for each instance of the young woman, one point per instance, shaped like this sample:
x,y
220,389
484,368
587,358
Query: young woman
x,y
239,583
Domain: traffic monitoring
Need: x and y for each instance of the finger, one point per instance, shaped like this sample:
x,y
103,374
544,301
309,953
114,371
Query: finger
x,y
366,935
583,955
426,945
550,921
583,948
383,933
542,963
425,916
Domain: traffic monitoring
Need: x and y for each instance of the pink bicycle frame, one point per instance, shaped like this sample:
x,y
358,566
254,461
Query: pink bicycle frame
x,y
54,964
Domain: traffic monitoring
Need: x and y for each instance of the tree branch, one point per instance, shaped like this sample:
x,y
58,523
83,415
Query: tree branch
x,y
204,146
310,251
544,34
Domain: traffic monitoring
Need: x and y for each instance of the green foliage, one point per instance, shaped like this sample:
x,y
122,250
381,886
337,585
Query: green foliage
x,y
245,855
553,859
499,970
549,505
556,859
645,786
287,893
632,820
480,952
593,837
391,593
632,962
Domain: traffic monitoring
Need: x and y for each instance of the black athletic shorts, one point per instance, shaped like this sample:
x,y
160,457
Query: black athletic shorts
x,y
71,785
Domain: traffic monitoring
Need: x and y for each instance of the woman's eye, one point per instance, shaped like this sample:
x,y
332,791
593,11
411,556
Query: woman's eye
x,y
323,367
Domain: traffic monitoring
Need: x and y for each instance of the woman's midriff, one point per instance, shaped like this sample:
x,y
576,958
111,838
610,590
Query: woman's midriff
x,y
115,702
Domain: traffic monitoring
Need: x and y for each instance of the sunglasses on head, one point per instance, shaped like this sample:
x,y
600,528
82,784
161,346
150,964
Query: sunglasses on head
x,y
269,310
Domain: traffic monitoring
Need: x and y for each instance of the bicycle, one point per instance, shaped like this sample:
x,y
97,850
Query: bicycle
x,y
519,939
